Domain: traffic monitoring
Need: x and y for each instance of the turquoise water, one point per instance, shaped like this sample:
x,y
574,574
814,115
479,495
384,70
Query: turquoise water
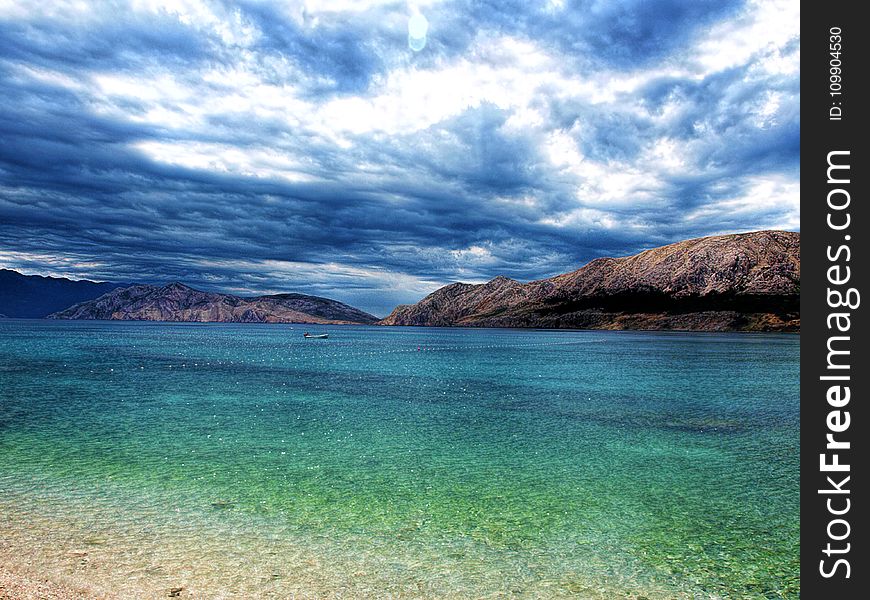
x,y
400,462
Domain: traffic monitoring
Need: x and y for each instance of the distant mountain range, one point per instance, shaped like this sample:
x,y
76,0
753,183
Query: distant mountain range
x,y
178,302
742,282
35,296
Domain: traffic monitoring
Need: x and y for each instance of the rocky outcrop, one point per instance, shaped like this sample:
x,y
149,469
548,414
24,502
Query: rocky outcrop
x,y
178,302
742,282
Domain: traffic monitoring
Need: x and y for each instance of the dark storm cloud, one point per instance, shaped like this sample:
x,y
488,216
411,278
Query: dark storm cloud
x,y
204,143
623,34
116,39
344,55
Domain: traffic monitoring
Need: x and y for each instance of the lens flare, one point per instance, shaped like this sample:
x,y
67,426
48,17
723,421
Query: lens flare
x,y
418,27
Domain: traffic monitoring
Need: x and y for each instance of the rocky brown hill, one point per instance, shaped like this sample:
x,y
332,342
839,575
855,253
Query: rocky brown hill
x,y
178,302
742,282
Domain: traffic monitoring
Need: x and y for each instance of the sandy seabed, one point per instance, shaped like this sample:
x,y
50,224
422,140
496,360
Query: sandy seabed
x,y
17,585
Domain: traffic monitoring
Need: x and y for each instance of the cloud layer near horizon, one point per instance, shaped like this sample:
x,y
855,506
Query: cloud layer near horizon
x,y
258,147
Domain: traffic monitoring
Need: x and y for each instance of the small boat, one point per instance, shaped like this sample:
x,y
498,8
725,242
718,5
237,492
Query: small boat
x,y
315,336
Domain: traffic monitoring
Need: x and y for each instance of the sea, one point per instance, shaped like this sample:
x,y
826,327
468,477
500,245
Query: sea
x,y
243,460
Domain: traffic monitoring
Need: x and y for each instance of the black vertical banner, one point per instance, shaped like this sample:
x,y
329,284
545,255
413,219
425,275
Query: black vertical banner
x,y
834,372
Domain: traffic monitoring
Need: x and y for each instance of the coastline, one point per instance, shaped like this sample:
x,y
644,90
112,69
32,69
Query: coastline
x,y
790,330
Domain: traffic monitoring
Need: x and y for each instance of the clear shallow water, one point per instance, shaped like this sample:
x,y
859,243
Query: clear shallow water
x,y
401,462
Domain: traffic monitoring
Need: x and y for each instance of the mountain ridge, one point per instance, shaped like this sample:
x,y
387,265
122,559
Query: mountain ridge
x,y
178,302
737,282
36,296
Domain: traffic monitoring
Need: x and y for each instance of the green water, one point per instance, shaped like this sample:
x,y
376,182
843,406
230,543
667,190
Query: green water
x,y
401,462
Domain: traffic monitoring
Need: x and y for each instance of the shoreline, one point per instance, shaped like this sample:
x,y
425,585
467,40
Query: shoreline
x,y
791,331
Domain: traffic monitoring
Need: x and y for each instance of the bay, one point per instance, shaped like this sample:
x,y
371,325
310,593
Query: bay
x,y
400,462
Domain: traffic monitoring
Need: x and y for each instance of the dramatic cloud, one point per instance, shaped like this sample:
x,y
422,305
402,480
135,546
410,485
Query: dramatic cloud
x,y
321,147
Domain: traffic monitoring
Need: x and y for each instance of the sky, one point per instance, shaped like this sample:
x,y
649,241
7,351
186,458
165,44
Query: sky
x,y
372,151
